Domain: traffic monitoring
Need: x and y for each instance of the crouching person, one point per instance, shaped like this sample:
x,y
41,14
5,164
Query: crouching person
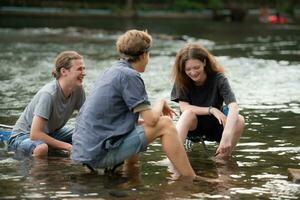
x,y
106,130
42,123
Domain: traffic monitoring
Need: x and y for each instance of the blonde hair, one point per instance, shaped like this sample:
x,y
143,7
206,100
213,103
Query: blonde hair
x,y
132,44
193,51
64,60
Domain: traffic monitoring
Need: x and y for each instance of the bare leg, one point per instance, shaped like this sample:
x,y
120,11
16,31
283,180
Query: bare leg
x,y
131,170
134,159
239,127
40,150
172,145
239,130
187,121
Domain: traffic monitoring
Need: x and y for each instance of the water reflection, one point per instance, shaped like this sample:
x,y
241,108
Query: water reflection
x,y
257,170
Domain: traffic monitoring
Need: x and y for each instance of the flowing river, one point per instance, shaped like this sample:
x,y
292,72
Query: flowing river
x,y
262,62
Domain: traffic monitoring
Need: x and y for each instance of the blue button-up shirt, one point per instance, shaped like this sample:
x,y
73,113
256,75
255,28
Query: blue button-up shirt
x,y
107,114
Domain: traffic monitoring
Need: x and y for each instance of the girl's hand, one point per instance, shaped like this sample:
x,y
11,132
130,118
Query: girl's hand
x,y
219,115
224,148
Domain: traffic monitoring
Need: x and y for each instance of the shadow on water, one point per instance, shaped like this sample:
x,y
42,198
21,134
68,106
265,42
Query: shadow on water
x,y
261,62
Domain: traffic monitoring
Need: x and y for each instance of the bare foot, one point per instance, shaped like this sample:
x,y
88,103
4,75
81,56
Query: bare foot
x,y
209,180
221,159
196,179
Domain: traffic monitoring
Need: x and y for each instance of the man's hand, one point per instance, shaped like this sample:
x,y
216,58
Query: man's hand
x,y
68,147
167,111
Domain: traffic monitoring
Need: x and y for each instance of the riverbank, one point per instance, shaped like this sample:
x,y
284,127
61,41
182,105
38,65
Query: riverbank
x,y
80,12
224,14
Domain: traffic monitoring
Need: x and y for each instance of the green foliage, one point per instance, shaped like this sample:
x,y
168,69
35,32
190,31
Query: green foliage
x,y
215,4
183,5
286,7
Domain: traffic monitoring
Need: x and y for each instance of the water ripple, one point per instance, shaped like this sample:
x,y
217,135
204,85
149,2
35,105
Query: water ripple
x,y
273,149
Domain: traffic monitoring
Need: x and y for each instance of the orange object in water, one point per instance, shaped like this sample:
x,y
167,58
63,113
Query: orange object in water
x,y
277,19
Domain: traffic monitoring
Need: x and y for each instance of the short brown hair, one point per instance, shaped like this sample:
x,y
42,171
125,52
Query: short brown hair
x,y
64,60
193,51
132,44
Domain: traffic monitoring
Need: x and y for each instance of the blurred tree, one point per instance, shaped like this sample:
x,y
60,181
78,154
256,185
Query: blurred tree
x,y
130,11
238,8
215,6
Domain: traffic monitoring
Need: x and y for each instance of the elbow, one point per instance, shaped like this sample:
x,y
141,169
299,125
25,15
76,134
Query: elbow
x,y
234,107
151,117
33,135
233,112
186,108
152,122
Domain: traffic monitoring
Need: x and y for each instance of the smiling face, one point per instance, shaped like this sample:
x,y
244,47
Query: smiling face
x,y
76,73
194,69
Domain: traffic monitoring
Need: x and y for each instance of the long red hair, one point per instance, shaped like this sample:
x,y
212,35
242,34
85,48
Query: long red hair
x,y
192,51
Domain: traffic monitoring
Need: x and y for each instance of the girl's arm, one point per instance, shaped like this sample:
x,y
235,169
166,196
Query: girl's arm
x,y
195,109
228,132
204,111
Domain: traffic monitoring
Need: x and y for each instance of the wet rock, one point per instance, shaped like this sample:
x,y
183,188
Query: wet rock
x,y
294,175
118,193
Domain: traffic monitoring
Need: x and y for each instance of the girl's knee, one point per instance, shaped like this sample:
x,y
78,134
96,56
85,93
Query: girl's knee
x,y
188,118
241,121
188,114
40,150
240,125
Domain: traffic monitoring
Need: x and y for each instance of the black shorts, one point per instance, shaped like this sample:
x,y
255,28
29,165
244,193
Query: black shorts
x,y
208,128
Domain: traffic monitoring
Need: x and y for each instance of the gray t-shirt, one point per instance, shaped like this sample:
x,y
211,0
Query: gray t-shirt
x,y
213,92
50,104
108,113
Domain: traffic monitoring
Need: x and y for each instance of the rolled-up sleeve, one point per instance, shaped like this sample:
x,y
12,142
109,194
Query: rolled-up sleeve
x,y
134,92
226,91
179,95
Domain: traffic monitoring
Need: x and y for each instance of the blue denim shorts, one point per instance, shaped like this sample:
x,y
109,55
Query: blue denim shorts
x,y
23,144
134,143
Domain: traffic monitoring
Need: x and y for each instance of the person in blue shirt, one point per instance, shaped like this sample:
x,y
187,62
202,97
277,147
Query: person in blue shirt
x,y
107,131
201,88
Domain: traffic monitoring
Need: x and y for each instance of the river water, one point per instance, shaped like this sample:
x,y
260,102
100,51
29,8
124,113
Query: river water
x,y
262,62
